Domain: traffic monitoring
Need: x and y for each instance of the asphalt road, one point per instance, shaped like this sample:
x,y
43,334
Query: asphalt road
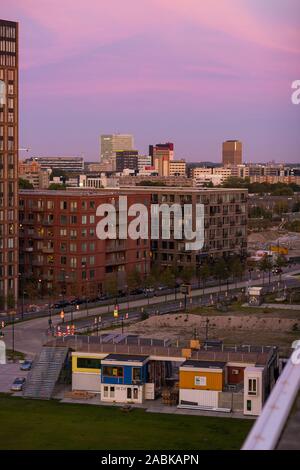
x,y
31,334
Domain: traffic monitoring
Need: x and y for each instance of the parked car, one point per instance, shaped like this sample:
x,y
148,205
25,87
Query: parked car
x,y
136,292
61,304
26,365
277,271
18,384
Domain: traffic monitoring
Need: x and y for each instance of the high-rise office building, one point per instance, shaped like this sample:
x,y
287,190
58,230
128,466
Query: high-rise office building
x,y
232,152
8,164
112,143
127,159
161,155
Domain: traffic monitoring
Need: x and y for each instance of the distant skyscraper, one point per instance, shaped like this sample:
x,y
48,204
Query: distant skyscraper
x,y
112,143
127,159
8,163
161,155
232,153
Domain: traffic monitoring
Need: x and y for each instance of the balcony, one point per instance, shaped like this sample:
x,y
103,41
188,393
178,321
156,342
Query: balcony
x,y
111,247
47,249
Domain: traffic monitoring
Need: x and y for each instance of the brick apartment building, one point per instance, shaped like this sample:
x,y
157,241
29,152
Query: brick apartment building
x,y
59,249
226,216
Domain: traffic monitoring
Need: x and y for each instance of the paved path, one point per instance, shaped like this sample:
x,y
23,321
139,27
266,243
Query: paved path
x,y
31,334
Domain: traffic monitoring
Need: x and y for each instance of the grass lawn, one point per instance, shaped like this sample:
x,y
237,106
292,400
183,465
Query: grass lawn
x,y
31,424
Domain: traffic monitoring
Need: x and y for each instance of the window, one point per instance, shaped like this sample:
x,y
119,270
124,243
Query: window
x,y
63,205
110,371
135,393
112,392
88,363
136,373
249,405
106,391
83,219
252,387
129,394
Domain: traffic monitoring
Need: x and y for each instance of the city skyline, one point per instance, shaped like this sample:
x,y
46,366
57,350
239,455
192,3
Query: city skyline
x,y
194,76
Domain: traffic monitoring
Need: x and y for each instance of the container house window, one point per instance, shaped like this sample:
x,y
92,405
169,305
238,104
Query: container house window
x,y
249,405
112,392
252,387
135,393
136,373
109,371
106,391
88,363
129,394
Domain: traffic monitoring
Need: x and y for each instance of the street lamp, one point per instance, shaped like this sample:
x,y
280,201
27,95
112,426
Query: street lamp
x,y
12,313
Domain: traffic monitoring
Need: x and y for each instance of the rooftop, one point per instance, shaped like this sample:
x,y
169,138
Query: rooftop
x,y
125,358
204,364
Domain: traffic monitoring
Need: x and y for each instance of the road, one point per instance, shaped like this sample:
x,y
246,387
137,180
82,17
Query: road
x,y
31,334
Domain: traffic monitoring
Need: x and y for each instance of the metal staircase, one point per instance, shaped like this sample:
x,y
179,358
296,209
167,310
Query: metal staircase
x,y
45,372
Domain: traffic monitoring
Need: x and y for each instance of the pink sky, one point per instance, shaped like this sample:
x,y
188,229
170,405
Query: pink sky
x,y
194,72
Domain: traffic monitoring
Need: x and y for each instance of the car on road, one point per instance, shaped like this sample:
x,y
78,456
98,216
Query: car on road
x,y
26,365
277,271
61,304
18,384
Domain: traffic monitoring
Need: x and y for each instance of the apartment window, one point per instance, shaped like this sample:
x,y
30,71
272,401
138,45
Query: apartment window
x,y
92,219
73,219
252,387
63,219
73,206
84,219
73,262
63,205
63,232
73,233
73,247
63,260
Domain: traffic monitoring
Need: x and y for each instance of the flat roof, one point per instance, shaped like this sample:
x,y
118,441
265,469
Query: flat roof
x,y
125,358
204,364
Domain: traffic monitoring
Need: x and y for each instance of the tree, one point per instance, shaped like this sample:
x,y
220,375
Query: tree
x,y
296,207
220,271
265,265
168,279
134,279
236,268
235,182
25,184
111,285
280,263
57,186
281,207
187,274
204,272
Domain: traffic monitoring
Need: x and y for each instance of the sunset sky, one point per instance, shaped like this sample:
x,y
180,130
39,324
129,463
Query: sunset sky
x,y
194,72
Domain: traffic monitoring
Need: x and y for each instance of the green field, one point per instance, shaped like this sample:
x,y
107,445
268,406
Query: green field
x,y
31,424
